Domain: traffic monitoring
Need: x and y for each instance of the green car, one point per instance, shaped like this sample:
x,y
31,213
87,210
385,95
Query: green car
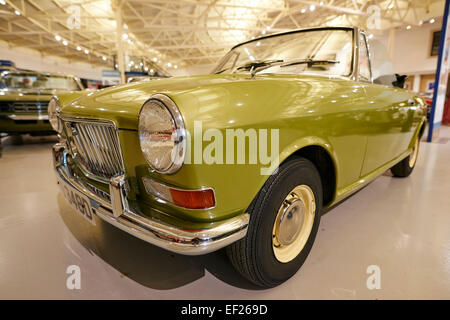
x,y
246,157
24,98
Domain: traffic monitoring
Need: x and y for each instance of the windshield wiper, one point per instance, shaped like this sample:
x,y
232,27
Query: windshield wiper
x,y
309,62
219,72
259,65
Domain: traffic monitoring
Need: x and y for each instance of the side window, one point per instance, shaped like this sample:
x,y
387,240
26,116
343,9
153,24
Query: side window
x,y
364,66
383,72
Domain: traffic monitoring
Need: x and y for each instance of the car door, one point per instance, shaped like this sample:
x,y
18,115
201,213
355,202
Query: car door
x,y
389,123
388,116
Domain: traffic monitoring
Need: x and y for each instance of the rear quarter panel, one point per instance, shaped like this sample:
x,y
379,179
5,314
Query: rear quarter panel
x,y
391,124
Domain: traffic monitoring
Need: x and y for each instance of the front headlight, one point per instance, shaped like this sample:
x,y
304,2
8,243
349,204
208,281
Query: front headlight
x,y
162,134
53,110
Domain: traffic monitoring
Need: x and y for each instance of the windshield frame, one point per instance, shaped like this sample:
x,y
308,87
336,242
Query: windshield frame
x,y
6,73
353,75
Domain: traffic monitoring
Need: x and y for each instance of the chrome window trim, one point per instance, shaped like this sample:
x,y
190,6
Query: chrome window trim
x,y
363,34
355,68
79,83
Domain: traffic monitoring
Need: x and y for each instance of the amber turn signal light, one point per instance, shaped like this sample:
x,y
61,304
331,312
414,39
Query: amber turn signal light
x,y
189,199
197,199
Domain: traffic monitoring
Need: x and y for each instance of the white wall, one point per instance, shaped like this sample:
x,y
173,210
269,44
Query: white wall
x,y
31,59
411,51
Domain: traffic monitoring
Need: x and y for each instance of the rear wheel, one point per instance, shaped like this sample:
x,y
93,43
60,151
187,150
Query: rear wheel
x,y
284,219
406,166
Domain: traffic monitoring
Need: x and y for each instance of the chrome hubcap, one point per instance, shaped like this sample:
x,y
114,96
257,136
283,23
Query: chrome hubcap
x,y
414,153
293,223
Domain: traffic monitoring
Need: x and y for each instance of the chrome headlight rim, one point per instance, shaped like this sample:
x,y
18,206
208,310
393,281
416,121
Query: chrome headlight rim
x,y
179,150
53,115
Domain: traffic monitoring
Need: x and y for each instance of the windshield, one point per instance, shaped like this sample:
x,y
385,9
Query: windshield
x,y
323,52
39,81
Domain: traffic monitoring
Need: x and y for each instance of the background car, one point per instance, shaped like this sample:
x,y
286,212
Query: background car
x,y
428,99
7,65
24,97
144,78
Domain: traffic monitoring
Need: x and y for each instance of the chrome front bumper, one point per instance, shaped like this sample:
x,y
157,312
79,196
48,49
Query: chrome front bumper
x,y
28,117
118,212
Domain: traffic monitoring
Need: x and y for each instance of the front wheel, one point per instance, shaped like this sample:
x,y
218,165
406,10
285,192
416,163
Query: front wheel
x,y
284,219
406,166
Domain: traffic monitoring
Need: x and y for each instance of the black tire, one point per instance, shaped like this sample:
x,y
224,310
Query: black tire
x,y
404,168
253,255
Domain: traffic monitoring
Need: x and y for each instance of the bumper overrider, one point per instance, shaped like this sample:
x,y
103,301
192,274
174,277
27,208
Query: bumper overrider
x,y
119,213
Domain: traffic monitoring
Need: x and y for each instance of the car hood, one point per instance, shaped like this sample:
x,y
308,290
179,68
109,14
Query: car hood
x,y
217,100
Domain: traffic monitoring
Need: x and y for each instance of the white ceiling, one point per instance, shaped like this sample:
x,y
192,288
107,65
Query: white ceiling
x,y
186,33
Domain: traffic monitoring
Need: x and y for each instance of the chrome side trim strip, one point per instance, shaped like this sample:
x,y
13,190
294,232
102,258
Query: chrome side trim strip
x,y
119,213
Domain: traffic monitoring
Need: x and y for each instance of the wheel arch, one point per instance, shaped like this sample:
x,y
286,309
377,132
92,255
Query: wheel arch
x,y
421,130
324,163
321,154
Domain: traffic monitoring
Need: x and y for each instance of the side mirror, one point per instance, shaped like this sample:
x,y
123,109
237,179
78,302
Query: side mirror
x,y
400,82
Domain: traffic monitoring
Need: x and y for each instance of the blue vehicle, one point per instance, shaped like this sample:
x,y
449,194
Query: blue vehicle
x,y
7,65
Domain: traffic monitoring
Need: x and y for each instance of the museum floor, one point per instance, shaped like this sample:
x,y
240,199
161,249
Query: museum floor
x,y
400,225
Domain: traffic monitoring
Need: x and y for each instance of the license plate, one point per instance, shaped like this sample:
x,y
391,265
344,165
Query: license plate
x,y
77,200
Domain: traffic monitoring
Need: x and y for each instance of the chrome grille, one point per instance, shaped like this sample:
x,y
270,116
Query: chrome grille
x,y
32,106
95,146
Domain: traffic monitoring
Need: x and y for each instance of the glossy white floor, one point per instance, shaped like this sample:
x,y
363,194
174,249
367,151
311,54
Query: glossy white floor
x,y
400,225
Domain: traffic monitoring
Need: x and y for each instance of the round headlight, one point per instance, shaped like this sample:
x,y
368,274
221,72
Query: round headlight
x,y
162,134
53,110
